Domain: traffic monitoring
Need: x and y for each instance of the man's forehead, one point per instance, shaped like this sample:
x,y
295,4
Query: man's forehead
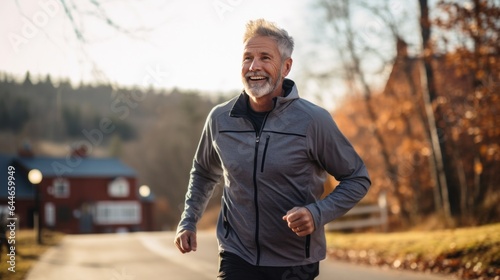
x,y
261,44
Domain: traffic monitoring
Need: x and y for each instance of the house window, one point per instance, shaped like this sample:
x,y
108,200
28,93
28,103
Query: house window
x,y
119,188
50,214
61,188
117,212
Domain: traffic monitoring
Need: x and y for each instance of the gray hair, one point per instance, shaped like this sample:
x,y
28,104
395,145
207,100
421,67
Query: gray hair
x,y
262,27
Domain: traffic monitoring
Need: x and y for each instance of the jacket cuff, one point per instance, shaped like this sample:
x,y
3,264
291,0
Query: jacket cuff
x,y
316,214
185,225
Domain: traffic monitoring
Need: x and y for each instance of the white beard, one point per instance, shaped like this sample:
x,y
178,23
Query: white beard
x,y
258,91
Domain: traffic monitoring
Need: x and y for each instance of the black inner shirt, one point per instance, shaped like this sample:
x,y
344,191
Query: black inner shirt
x,y
257,118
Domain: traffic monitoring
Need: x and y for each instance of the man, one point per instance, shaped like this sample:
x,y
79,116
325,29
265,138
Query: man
x,y
273,150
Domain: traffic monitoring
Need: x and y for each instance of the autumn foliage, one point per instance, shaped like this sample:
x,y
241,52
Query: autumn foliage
x,y
464,59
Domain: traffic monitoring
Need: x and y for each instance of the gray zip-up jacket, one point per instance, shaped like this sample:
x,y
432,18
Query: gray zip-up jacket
x,y
268,172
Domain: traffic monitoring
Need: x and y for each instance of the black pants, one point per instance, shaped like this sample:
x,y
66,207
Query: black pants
x,y
232,267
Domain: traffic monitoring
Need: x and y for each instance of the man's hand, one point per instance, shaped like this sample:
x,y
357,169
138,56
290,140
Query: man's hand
x,y
185,241
300,221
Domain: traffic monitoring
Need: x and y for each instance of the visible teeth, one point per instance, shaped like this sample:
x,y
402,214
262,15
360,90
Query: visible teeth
x,y
257,78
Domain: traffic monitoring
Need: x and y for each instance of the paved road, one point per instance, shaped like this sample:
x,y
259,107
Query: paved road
x,y
153,256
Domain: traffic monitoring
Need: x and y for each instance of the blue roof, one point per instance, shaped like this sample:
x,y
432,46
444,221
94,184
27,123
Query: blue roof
x,y
5,161
23,187
77,167
57,167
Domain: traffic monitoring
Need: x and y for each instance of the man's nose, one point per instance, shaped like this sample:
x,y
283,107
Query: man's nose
x,y
255,65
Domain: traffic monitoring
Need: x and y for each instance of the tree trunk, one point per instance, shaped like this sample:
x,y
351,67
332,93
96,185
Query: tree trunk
x,y
429,95
339,11
392,169
438,204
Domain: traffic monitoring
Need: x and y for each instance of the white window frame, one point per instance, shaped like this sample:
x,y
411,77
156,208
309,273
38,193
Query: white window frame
x,y
50,214
119,187
61,188
118,212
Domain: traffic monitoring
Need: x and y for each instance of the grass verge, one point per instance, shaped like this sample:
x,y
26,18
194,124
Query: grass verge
x,y
469,253
27,253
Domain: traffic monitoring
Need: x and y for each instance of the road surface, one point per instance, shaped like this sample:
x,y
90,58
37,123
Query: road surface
x,y
151,256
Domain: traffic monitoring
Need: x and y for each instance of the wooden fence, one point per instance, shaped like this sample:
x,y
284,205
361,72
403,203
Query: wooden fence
x,y
364,216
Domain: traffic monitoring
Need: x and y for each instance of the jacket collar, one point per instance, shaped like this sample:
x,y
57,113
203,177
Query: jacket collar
x,y
240,107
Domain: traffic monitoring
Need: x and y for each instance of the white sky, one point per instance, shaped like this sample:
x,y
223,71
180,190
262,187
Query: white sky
x,y
188,44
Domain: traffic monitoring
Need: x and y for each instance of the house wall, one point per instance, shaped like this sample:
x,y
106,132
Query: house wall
x,y
24,211
71,214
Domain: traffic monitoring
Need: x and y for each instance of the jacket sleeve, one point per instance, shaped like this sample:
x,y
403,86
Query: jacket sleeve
x,y
335,154
205,173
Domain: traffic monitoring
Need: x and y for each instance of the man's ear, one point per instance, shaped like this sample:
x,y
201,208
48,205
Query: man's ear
x,y
287,66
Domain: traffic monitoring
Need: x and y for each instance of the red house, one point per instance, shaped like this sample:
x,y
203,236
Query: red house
x,y
78,194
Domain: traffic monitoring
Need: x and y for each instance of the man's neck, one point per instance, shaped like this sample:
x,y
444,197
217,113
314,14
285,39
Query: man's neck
x,y
262,104
266,102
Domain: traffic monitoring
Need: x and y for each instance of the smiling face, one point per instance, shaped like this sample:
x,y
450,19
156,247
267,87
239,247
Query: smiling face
x,y
262,68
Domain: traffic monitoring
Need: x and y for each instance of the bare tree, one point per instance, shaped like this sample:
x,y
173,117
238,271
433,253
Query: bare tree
x,y
79,14
429,96
353,52
450,80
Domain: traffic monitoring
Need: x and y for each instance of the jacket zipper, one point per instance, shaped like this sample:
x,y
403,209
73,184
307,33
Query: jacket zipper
x,y
256,200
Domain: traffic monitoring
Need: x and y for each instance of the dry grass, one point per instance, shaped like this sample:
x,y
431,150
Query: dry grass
x,y
27,253
470,253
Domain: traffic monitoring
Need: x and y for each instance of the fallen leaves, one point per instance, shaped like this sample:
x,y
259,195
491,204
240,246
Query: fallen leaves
x,y
468,253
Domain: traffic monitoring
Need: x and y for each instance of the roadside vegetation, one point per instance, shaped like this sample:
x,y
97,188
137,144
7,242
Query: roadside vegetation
x,y
468,253
27,253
